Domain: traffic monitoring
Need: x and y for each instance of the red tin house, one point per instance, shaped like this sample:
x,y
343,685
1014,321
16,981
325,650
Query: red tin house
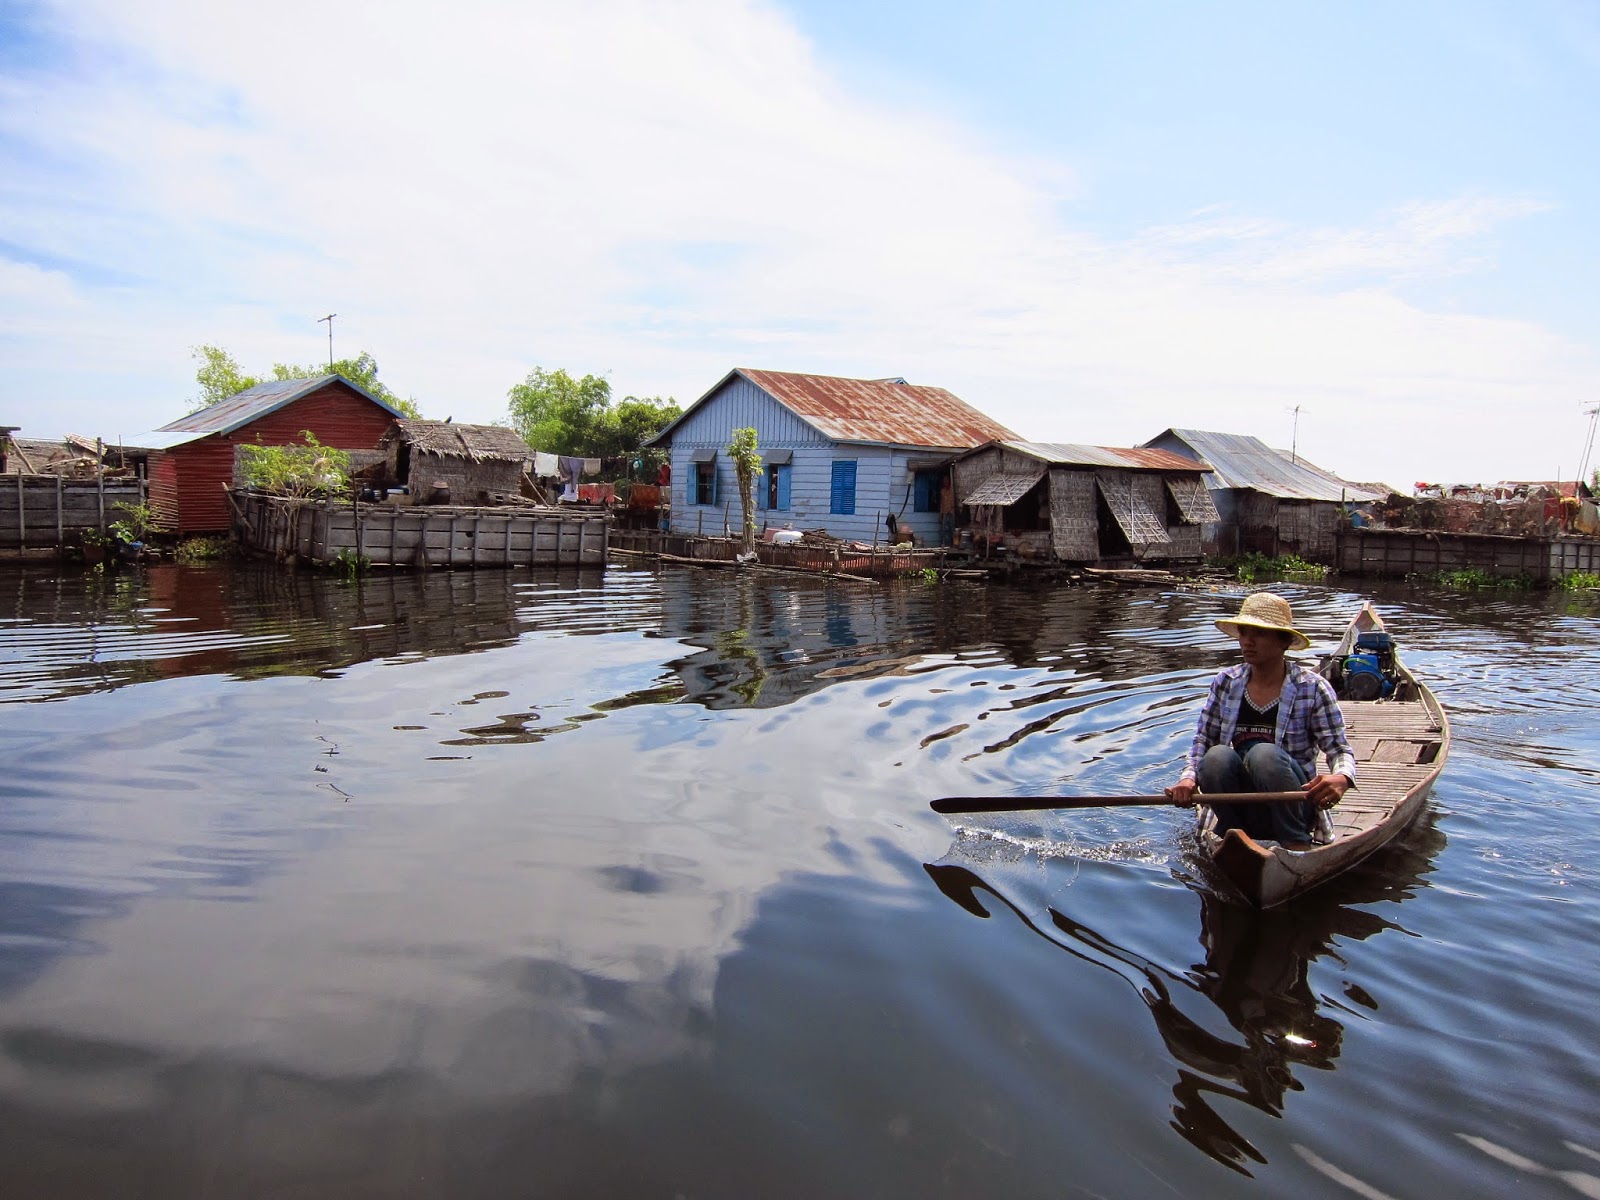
x,y
191,460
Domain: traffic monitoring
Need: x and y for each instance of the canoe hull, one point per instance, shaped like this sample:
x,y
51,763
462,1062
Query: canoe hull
x,y
1268,876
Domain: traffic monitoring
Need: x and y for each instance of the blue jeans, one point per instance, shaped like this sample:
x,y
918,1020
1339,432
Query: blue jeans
x,y
1263,767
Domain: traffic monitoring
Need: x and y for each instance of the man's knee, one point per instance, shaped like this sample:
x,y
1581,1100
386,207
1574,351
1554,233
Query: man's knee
x,y
1272,768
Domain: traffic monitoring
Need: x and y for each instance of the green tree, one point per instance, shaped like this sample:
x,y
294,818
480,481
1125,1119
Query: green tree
x,y
635,420
746,462
559,414
220,376
361,371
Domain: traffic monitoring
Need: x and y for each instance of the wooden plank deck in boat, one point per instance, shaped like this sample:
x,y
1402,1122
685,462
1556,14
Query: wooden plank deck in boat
x,y
1388,738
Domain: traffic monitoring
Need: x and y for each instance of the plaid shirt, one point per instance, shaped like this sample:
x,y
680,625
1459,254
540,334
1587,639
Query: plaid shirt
x,y
1308,720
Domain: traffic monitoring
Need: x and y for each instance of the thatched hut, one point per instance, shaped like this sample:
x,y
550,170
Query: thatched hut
x,y
475,462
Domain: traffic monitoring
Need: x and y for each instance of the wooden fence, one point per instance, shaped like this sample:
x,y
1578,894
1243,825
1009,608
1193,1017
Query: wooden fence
x,y
387,535
42,511
1396,553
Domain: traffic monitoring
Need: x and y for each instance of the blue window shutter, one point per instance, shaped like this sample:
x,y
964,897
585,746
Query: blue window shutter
x,y
926,498
842,496
783,487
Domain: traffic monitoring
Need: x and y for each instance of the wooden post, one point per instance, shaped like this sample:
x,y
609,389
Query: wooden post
x,y
700,523
61,522
451,549
100,494
477,526
22,520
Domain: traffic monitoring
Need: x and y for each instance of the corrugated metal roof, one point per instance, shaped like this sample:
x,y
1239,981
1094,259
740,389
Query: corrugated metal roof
x,y
254,403
1003,489
1238,460
1068,454
158,439
887,412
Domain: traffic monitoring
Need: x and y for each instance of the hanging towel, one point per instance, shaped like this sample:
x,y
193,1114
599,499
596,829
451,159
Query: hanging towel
x,y
544,465
571,468
591,466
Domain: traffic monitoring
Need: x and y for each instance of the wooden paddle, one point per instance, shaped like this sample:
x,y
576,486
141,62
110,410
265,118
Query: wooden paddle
x,y
995,804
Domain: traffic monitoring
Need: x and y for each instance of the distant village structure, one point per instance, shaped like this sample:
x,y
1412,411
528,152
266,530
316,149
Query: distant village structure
x,y
1048,502
840,454
873,477
1266,501
191,461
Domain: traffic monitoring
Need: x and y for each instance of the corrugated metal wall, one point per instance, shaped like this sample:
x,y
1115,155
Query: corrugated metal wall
x,y
882,478
335,415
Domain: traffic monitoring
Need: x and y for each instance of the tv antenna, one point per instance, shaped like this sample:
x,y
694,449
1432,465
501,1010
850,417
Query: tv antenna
x,y
1588,445
329,319
1294,435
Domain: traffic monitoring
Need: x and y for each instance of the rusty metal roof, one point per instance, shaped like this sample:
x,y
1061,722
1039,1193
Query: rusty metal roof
x,y
253,403
1238,460
887,412
1069,454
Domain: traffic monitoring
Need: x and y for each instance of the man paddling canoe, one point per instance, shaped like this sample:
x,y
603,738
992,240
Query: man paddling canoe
x,y
1261,727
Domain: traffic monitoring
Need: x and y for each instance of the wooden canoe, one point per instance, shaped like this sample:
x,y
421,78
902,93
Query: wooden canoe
x,y
1400,744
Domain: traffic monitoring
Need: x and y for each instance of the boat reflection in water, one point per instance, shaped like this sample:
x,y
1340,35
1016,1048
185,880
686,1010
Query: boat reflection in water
x,y
1255,973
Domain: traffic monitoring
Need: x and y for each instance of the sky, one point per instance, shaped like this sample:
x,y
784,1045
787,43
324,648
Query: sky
x,y
1365,231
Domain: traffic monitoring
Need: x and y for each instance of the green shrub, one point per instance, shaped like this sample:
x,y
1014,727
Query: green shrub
x,y
1579,581
308,470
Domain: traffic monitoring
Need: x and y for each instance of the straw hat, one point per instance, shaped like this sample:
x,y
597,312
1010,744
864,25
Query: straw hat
x,y
1266,610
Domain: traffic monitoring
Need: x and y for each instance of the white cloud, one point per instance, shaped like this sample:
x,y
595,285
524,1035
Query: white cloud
x,y
661,191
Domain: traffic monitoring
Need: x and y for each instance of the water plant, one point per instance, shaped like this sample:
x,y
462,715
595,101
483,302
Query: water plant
x,y
350,564
203,549
1579,581
1470,579
1253,566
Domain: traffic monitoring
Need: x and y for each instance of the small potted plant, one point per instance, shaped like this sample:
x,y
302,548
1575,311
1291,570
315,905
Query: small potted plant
x,y
94,543
130,529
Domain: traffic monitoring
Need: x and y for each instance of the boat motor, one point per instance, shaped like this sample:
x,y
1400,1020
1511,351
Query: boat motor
x,y
1368,673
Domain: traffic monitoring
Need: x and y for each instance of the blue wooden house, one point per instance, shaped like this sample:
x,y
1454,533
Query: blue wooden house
x,y
836,454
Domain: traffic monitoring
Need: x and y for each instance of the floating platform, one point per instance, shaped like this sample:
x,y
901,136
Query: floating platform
x,y
421,536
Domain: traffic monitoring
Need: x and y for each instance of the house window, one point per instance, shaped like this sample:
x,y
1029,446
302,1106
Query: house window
x,y
705,483
842,494
925,491
777,490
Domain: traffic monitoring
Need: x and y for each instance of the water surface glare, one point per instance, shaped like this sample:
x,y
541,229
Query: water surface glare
x,y
625,883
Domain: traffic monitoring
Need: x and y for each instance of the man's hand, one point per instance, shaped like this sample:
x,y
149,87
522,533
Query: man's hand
x,y
1326,790
1182,793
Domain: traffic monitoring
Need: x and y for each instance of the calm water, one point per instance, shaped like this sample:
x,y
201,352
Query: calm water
x,y
625,884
